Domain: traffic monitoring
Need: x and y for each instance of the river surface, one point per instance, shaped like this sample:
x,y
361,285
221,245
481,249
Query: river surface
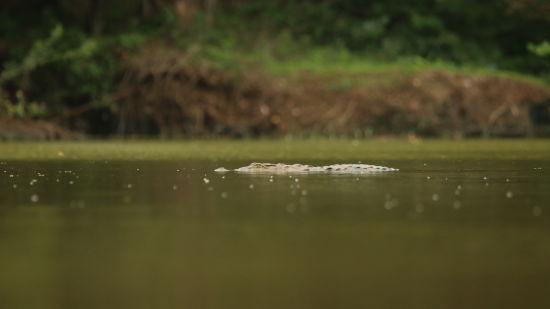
x,y
440,233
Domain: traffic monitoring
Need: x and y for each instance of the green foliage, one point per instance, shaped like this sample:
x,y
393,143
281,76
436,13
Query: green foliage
x,y
542,49
47,51
64,66
21,108
68,53
491,34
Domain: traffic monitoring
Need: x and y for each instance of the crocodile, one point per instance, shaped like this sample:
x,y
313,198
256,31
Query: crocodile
x,y
281,168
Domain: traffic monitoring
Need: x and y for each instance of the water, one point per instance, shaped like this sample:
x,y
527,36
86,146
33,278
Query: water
x,y
440,233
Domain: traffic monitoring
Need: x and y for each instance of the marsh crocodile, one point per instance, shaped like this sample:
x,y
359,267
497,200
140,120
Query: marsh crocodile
x,y
281,168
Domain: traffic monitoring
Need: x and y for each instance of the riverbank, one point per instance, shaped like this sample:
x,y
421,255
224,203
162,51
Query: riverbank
x,y
277,150
165,94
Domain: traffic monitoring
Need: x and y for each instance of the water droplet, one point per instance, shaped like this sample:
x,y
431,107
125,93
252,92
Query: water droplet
x,y
485,178
390,202
206,180
304,192
71,182
129,186
457,192
264,109
270,179
509,194
457,205
537,211
291,208
507,179
34,198
419,208
14,186
296,180
174,187
428,177
435,197
224,195
251,186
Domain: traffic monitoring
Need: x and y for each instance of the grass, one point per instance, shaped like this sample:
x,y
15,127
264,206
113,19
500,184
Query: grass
x,y
297,61
288,150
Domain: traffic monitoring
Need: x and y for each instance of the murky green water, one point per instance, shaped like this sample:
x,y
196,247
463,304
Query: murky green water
x,y
447,231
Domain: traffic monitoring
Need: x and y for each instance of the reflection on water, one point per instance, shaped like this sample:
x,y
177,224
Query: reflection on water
x,y
437,234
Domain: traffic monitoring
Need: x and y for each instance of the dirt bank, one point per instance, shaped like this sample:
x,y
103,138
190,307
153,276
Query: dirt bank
x,y
179,96
163,91
12,129
429,103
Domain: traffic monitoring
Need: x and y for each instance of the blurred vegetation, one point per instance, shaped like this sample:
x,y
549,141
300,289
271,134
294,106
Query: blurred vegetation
x,y
63,60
